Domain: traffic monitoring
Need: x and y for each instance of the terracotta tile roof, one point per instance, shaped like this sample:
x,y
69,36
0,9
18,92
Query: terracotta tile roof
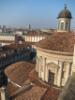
x,y
11,89
58,42
6,41
33,77
51,94
15,45
19,72
34,93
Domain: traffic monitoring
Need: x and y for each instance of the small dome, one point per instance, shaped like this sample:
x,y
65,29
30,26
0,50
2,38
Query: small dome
x,y
65,13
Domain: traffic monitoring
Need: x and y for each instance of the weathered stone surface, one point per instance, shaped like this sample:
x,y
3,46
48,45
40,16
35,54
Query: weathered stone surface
x,y
68,92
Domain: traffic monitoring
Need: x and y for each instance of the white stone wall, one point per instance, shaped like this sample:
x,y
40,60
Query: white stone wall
x,y
6,37
26,37
62,70
33,38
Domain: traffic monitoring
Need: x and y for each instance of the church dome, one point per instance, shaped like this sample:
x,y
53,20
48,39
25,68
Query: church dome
x,y
65,13
63,42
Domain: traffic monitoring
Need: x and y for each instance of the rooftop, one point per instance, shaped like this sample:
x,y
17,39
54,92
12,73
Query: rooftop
x,y
63,42
16,45
22,69
26,74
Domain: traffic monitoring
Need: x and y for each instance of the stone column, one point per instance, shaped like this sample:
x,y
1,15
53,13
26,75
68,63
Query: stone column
x,y
4,95
37,64
60,74
40,62
44,68
56,76
46,73
64,24
68,67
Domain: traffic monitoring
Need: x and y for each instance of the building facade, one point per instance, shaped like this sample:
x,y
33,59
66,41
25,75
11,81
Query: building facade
x,y
55,54
53,67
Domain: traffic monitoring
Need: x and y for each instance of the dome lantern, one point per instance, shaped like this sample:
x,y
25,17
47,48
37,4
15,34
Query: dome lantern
x,y
64,20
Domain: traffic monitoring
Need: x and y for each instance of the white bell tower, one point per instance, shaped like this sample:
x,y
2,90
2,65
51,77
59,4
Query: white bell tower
x,y
64,20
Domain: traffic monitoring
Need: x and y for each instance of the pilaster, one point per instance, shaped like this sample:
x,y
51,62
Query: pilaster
x,y
60,74
44,67
37,64
68,67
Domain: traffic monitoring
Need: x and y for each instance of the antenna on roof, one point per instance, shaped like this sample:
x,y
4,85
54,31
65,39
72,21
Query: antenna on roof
x,y
65,6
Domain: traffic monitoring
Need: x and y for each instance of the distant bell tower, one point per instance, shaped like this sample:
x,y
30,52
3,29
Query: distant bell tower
x,y
29,27
64,20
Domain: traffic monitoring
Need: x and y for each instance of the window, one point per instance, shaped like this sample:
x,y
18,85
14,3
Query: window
x,y
62,25
58,25
66,26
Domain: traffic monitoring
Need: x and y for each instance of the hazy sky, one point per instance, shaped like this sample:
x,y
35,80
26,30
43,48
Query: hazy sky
x,y
38,13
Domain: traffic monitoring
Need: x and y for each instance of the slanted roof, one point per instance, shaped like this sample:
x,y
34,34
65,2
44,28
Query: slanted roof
x,y
63,42
19,72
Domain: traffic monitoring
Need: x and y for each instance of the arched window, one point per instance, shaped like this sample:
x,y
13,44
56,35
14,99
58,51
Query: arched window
x,y
66,26
58,25
62,25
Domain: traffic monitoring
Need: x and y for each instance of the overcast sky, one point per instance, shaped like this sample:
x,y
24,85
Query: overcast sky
x,y
38,13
